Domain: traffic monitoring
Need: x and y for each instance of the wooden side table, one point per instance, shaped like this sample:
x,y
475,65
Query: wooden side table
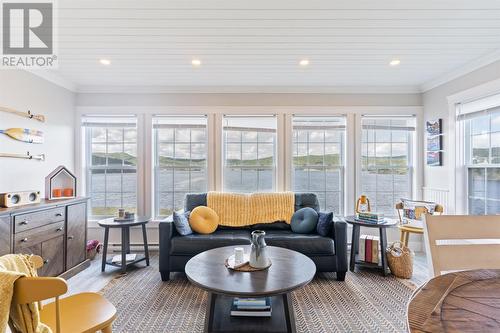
x,y
356,226
125,239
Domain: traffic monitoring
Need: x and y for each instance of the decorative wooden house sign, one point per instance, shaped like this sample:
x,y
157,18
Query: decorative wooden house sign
x,y
60,184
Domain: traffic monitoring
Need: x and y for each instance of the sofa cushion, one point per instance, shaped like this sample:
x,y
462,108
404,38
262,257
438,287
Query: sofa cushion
x,y
303,200
197,243
181,222
325,224
193,200
308,244
304,221
203,220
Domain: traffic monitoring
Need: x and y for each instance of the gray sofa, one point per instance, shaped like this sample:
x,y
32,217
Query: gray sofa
x,y
328,253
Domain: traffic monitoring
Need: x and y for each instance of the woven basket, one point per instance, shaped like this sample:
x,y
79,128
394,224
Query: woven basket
x,y
400,260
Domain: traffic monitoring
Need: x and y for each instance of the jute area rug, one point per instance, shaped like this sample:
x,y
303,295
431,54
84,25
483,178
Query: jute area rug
x,y
364,302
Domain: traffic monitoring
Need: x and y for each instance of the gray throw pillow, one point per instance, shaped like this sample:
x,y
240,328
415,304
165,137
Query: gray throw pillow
x,y
304,221
181,222
325,224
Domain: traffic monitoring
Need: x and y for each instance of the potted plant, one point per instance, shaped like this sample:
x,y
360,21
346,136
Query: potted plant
x,y
93,247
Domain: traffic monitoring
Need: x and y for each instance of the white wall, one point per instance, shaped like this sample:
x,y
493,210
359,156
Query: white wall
x,y
436,106
24,91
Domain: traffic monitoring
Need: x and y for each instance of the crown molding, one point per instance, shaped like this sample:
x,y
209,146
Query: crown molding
x,y
248,89
464,70
54,78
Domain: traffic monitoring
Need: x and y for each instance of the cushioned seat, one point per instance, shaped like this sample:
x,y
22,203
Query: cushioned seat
x,y
197,243
308,244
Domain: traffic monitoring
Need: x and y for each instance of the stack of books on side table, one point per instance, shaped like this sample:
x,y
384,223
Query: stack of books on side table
x,y
371,217
251,307
369,249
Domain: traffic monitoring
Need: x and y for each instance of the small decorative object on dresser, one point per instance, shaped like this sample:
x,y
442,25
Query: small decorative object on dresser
x,y
14,199
60,184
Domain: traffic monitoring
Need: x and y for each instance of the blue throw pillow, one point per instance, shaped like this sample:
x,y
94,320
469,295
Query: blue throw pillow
x,y
304,221
325,224
181,222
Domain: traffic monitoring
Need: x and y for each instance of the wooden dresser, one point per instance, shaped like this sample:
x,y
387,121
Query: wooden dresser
x,y
56,230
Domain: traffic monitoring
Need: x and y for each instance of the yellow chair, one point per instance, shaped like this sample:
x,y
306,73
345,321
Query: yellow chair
x,y
406,230
85,312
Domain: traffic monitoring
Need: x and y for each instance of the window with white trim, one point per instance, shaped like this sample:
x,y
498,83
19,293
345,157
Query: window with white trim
x,y
318,159
110,163
180,160
480,124
249,153
387,146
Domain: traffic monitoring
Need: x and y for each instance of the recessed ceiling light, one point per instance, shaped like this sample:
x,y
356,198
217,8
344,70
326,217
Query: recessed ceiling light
x,y
304,62
105,62
395,62
196,62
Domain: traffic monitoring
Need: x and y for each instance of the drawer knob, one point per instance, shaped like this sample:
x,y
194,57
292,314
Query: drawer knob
x,y
71,237
46,261
58,214
24,240
59,229
24,222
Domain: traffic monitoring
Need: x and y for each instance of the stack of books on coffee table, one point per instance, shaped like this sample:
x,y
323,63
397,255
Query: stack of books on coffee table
x,y
251,307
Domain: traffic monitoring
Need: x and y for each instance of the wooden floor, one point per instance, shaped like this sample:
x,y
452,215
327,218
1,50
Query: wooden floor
x,y
92,279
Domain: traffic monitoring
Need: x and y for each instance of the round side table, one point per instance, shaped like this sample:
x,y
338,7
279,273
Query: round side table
x,y
356,226
125,239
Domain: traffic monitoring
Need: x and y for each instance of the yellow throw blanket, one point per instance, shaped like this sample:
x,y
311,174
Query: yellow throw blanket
x,y
12,267
239,210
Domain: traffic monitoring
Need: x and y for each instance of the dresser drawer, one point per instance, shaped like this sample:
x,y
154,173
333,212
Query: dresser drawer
x,y
32,237
29,221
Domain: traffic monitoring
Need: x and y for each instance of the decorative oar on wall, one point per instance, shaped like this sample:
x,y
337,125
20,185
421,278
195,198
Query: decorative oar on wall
x,y
26,156
24,134
28,114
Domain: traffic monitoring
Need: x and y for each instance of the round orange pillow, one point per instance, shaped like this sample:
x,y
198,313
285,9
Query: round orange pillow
x,y
203,220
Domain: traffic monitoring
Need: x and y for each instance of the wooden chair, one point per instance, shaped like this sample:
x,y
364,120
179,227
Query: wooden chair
x,y
406,230
462,242
85,312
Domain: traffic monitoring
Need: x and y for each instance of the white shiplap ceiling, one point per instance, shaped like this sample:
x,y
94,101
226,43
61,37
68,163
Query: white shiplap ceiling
x,y
260,43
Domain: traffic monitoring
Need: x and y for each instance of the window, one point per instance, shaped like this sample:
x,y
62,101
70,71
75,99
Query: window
x,y
318,159
386,160
111,163
482,159
249,153
180,160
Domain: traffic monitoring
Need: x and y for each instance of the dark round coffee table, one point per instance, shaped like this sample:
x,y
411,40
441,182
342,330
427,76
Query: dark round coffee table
x,y
125,231
290,270
356,226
